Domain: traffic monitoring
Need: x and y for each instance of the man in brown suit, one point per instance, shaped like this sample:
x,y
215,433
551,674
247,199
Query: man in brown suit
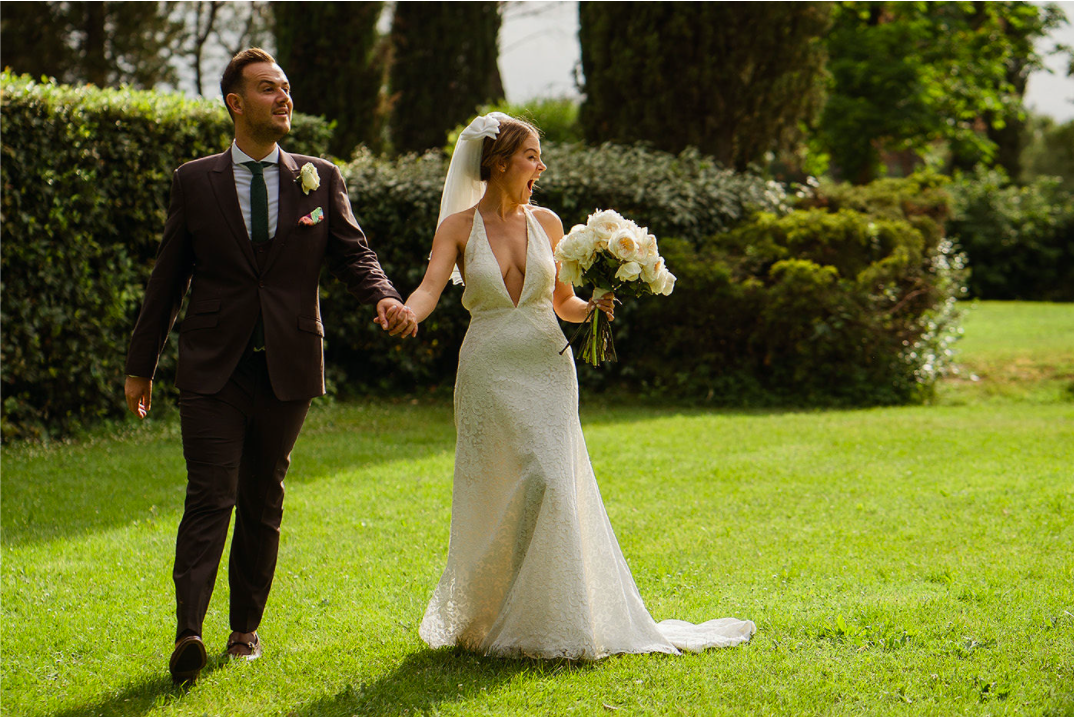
x,y
247,233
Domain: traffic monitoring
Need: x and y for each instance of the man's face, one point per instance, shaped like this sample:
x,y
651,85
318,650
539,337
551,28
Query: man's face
x,y
266,100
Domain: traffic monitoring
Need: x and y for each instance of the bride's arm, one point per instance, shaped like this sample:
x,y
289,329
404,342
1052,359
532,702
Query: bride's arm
x,y
446,251
568,306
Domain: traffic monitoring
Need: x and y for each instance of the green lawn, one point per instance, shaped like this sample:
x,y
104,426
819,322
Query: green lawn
x,y
915,560
1015,349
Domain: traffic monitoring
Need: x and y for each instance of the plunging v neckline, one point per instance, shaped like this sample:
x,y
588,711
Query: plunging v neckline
x,y
496,261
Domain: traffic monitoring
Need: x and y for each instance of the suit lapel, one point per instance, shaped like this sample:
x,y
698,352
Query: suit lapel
x,y
287,209
222,178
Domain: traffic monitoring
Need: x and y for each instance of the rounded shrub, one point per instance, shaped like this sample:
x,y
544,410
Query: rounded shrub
x,y
810,308
1019,240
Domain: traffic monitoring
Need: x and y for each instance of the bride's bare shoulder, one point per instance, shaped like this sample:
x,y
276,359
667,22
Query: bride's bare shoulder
x,y
550,222
458,225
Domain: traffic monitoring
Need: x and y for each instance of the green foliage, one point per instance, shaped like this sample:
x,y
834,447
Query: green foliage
x,y
688,195
920,199
86,175
1049,151
106,43
444,66
397,202
820,306
732,79
1019,239
331,52
556,118
906,74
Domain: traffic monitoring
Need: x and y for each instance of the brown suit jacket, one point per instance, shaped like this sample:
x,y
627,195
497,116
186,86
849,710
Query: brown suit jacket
x,y
206,249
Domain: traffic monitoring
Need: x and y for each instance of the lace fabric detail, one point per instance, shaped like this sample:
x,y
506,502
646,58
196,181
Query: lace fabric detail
x,y
533,566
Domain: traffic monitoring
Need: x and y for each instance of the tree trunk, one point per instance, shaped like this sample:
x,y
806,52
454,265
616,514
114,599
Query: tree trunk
x,y
96,63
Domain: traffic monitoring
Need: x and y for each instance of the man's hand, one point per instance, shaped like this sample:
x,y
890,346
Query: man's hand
x,y
139,393
396,318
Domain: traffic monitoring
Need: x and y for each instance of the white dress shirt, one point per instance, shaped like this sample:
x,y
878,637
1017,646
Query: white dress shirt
x,y
243,178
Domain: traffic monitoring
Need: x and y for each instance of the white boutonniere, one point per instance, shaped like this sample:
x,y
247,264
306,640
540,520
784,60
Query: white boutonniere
x,y
308,178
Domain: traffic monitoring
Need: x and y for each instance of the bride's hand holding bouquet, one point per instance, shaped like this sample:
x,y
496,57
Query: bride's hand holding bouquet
x,y
613,255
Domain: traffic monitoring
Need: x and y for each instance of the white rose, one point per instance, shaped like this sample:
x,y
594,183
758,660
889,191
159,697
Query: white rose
x,y
581,247
309,178
628,271
570,273
571,247
667,283
605,224
590,242
641,235
624,245
651,269
648,246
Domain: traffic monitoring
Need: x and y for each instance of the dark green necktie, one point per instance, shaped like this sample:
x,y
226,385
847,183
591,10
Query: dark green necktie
x,y
258,229
258,202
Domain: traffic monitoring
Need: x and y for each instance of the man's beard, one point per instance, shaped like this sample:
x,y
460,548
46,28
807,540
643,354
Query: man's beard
x,y
268,132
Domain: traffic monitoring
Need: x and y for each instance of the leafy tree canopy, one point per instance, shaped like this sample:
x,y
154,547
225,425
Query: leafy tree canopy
x,y
907,74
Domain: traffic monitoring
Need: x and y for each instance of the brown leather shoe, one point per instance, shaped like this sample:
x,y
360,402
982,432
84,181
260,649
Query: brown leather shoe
x,y
188,659
254,648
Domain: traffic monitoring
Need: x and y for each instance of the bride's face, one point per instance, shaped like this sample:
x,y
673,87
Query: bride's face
x,y
523,170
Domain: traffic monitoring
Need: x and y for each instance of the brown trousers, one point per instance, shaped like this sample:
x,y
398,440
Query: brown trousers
x,y
237,444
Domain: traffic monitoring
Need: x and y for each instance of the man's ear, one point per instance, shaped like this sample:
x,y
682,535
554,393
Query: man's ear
x,y
234,101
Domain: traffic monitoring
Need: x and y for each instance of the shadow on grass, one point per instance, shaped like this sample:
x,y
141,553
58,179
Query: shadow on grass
x,y
429,678
140,698
111,480
66,490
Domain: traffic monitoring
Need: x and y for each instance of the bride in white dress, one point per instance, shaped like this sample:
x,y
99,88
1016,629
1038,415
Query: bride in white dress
x,y
533,566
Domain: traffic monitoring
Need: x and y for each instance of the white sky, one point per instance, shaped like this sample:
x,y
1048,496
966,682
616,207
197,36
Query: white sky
x,y
1053,94
539,54
539,50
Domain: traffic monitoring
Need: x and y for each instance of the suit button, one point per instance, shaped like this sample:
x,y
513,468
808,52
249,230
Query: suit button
x,y
261,285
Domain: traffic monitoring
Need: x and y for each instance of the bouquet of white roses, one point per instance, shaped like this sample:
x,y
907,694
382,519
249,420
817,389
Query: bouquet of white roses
x,y
611,254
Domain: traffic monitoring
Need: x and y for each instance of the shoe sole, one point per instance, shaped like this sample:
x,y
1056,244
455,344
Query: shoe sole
x,y
187,661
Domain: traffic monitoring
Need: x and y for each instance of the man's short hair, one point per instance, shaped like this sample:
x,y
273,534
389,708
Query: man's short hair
x,y
232,80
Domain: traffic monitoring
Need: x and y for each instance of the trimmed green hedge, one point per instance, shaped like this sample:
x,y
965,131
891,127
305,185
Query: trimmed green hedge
x,y
86,174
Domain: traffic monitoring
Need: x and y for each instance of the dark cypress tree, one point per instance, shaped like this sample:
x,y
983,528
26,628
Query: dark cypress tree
x,y
330,51
732,79
106,43
444,66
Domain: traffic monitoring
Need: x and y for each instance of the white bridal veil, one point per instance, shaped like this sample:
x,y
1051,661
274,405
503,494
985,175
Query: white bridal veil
x,y
463,187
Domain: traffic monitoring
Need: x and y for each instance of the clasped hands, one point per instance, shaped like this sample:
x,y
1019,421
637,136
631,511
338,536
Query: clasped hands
x,y
396,318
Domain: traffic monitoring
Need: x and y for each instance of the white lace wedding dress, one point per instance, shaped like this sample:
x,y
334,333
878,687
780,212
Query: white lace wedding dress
x,y
533,566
